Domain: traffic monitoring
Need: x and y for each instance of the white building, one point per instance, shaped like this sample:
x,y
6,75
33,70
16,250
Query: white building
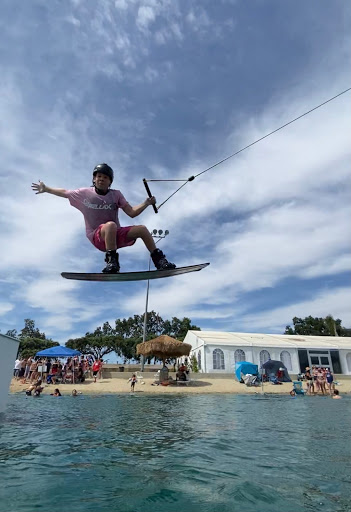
x,y
217,352
9,347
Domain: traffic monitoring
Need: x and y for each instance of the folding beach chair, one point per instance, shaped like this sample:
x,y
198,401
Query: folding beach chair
x,y
139,377
298,387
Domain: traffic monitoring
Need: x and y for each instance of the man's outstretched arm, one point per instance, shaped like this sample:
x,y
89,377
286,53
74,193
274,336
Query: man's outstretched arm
x,y
40,188
134,211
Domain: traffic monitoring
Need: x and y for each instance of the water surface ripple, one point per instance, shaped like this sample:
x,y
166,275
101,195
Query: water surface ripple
x,y
195,453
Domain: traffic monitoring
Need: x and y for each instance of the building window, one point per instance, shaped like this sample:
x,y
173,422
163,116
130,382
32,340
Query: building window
x,y
239,355
285,358
218,359
348,361
199,360
264,357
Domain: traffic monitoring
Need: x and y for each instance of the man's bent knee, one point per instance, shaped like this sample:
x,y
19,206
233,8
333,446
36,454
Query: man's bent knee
x,y
109,226
139,231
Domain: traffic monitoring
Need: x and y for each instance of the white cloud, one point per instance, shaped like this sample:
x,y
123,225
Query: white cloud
x,y
198,19
121,4
328,302
146,15
151,74
74,21
279,210
290,224
5,307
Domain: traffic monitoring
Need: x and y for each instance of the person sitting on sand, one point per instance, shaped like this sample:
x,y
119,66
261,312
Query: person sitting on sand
x,y
34,386
51,378
336,394
80,374
181,375
37,389
280,374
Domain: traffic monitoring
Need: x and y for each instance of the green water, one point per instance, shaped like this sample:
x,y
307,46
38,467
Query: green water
x,y
183,453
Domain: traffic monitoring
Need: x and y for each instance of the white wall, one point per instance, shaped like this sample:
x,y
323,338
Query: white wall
x,y
9,348
345,360
252,354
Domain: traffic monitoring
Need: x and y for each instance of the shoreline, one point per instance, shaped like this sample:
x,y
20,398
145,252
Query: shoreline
x,y
198,386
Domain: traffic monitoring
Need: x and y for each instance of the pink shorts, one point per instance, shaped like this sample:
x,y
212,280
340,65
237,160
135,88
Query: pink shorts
x,y
121,238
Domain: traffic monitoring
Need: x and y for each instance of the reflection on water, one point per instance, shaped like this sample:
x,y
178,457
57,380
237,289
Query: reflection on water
x,y
176,453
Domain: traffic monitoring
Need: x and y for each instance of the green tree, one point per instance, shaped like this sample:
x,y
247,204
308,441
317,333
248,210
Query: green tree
x,y
193,364
13,333
126,348
178,329
30,346
30,331
331,325
32,340
317,326
95,344
127,333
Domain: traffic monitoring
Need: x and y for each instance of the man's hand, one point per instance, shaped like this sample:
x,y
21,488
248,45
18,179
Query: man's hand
x,y
150,200
39,188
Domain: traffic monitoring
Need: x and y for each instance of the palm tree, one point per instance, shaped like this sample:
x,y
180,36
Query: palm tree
x,y
330,323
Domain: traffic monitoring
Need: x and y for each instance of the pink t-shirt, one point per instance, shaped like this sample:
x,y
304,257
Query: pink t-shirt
x,y
95,208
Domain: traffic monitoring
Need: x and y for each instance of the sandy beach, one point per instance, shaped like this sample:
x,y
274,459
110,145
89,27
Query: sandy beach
x,y
200,384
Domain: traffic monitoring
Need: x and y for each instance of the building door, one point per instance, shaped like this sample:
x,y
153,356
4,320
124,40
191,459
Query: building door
x,y
320,358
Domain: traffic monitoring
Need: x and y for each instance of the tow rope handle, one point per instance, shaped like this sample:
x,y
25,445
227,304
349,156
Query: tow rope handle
x,y
149,194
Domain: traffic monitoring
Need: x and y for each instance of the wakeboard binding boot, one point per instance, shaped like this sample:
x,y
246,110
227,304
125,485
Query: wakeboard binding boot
x,y
160,260
112,263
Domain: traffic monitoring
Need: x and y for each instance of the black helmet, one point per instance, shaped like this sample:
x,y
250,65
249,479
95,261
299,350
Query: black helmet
x,y
104,169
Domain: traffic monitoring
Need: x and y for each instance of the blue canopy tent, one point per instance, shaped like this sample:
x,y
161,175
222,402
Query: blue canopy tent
x,y
58,351
245,367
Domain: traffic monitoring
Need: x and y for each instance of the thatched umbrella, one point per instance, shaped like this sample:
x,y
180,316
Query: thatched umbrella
x,y
162,347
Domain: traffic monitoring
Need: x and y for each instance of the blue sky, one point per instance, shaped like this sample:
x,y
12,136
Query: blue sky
x,y
163,89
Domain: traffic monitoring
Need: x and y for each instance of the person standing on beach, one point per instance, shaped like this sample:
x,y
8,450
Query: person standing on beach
x,y
315,379
321,380
96,368
27,369
100,370
16,368
309,379
99,205
33,371
133,381
22,369
330,379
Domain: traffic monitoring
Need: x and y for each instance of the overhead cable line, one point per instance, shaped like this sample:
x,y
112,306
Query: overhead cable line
x,y
248,146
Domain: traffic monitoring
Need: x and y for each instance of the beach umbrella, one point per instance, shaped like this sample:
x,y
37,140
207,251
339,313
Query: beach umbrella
x,y
163,347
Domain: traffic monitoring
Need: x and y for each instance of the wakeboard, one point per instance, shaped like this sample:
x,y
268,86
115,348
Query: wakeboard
x,y
133,276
